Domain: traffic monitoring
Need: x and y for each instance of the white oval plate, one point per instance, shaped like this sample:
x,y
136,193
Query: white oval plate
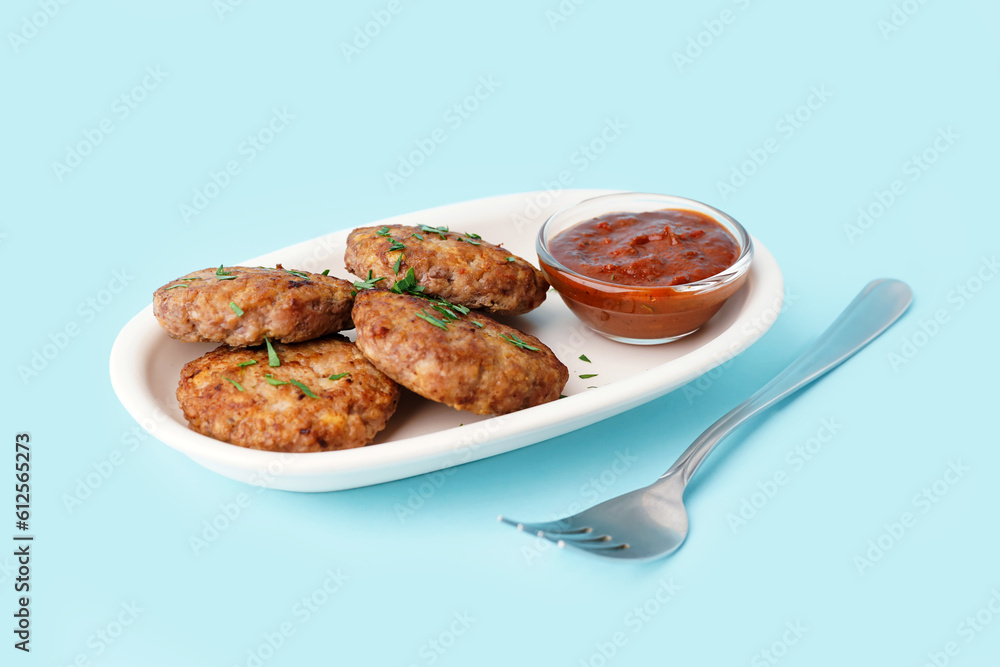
x,y
424,436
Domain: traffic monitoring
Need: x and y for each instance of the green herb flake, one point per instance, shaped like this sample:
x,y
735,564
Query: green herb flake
x,y
473,236
305,390
407,284
396,245
435,230
583,357
417,236
646,307
298,274
222,274
338,376
511,259
175,286
514,340
383,231
587,376
433,320
234,382
478,324
247,363
273,382
326,272
272,356
368,283
189,279
236,309
397,264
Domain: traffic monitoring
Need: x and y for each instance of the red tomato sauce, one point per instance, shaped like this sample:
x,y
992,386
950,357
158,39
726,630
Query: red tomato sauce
x,y
655,248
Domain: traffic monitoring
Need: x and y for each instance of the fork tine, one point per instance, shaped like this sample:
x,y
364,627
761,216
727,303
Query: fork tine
x,y
561,527
594,545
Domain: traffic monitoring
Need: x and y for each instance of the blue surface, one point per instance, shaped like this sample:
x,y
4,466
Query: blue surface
x,y
346,578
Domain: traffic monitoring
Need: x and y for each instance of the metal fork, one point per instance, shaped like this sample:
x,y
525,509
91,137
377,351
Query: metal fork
x,y
651,522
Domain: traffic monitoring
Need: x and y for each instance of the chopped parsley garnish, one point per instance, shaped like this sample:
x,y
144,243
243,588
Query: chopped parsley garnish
x,y
236,309
435,230
326,272
175,286
478,324
433,320
397,264
396,245
407,284
514,340
418,236
583,357
305,390
510,259
235,383
383,231
298,274
221,274
247,363
587,376
338,376
189,279
272,356
273,382
368,283
473,236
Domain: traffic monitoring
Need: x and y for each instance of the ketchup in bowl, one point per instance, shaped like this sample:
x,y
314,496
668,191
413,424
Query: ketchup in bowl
x,y
641,268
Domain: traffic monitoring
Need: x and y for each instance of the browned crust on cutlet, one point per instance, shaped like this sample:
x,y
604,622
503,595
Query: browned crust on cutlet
x,y
450,266
277,304
348,412
465,366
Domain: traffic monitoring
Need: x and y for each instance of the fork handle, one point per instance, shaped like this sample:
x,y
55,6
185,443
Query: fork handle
x,y
873,310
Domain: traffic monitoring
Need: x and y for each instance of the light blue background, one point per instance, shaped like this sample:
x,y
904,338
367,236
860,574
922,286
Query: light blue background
x,y
686,129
